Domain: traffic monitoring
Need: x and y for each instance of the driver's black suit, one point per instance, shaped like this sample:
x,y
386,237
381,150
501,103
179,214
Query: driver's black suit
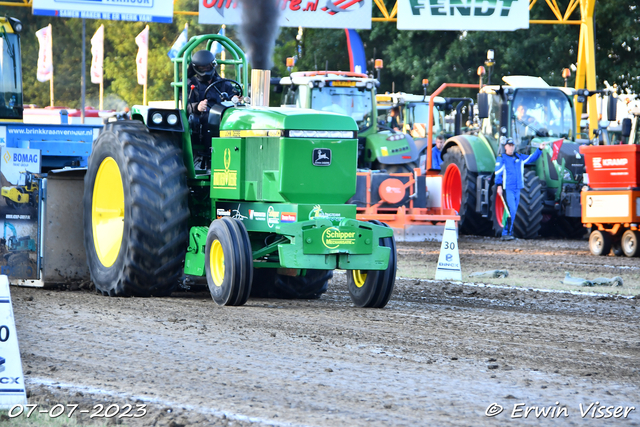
x,y
197,94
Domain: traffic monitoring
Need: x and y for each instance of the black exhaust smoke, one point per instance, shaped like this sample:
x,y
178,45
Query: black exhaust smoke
x,y
259,30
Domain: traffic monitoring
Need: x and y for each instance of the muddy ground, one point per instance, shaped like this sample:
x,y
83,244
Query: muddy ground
x,y
439,354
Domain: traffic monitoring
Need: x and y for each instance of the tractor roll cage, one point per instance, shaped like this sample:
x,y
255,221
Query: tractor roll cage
x,y
181,65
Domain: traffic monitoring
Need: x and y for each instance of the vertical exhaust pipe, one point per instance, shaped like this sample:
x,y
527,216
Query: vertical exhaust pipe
x,y
260,82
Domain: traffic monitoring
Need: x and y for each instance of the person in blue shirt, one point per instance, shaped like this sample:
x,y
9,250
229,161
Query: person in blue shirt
x,y
510,179
436,153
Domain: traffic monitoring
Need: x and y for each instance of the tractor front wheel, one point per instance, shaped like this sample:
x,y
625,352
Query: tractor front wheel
x,y
228,262
373,288
135,211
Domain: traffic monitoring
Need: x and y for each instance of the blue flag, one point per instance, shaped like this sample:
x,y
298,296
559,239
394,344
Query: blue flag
x,y
182,39
216,48
357,58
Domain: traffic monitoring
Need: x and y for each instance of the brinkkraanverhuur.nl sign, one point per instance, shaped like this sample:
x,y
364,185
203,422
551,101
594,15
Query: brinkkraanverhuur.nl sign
x,y
112,10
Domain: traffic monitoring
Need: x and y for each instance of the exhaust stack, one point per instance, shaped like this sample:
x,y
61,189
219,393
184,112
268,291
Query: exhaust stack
x,y
260,82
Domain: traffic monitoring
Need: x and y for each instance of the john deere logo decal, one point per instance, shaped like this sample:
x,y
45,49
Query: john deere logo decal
x,y
333,237
225,178
321,157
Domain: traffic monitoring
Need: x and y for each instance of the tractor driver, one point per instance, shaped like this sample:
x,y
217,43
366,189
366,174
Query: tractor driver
x,y
202,72
525,124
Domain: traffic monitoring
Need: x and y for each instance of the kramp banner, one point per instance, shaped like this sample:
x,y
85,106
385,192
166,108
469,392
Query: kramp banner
x,y
295,13
463,15
112,10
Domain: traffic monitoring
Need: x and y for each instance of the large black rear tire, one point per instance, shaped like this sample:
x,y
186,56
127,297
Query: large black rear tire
x,y
310,286
528,219
135,200
459,193
529,216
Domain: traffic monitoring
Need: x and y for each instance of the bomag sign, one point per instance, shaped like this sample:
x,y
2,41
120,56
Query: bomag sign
x,y
463,15
333,237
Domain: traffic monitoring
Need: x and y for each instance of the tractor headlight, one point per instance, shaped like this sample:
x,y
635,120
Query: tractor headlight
x,y
156,118
335,134
172,119
396,137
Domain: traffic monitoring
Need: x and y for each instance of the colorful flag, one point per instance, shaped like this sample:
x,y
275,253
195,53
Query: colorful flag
x,y
216,48
556,148
142,40
45,58
97,56
505,213
357,58
182,40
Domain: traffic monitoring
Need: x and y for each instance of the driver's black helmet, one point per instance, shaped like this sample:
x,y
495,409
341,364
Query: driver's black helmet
x,y
204,65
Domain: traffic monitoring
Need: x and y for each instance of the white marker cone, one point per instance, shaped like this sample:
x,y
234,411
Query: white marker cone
x,y
449,260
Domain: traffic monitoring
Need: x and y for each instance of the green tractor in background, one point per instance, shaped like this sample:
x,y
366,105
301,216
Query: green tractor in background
x,y
551,197
268,219
354,94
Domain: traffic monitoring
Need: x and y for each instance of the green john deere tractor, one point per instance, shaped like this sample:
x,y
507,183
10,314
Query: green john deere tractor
x,y
261,212
551,197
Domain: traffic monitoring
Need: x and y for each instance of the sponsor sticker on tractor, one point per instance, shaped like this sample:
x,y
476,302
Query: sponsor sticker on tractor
x,y
222,212
273,217
257,216
332,237
288,217
225,178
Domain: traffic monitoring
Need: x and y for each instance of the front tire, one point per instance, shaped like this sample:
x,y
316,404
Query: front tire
x,y
228,262
459,193
135,212
373,288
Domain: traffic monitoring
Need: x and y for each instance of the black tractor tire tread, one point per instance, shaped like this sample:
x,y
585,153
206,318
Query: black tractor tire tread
x,y
528,219
471,222
310,286
157,233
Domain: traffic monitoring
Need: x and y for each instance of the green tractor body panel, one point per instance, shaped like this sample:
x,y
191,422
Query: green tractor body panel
x,y
265,163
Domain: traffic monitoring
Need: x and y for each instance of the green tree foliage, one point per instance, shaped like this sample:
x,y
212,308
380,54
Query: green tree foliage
x,y
409,56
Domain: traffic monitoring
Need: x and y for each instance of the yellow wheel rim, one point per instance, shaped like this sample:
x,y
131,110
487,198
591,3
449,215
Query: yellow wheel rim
x,y
216,263
359,277
107,212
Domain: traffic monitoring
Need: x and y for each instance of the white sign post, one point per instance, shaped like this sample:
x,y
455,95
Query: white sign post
x,y
449,260
12,389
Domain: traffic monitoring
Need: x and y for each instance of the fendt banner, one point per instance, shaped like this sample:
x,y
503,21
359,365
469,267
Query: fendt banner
x,y
354,14
113,10
463,15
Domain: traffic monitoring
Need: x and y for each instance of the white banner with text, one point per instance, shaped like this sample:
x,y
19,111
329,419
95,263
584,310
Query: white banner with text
x,y
463,15
354,14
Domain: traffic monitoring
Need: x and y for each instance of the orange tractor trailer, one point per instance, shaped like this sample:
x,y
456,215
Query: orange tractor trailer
x,y
611,201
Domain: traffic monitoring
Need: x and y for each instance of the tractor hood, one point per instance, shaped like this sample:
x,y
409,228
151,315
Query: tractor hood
x,y
274,119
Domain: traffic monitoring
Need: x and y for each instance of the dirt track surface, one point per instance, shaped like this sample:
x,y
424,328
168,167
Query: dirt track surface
x,y
438,354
